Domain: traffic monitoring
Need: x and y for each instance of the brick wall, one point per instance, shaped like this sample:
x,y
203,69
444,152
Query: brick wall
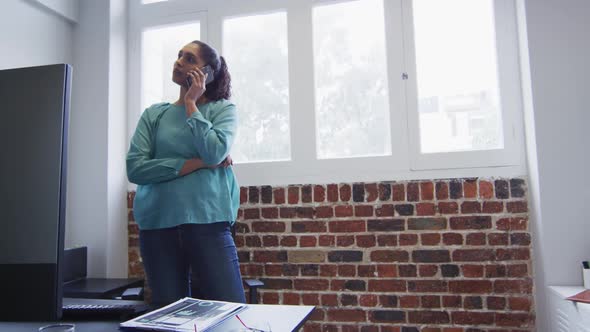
x,y
444,255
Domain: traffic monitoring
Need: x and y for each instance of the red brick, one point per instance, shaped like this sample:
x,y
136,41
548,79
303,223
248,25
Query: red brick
x,y
346,270
328,270
270,298
513,254
442,190
327,240
367,271
519,303
470,207
389,256
493,207
363,210
472,318
270,240
520,239
365,241
408,271
474,222
430,301
398,192
306,193
470,286
387,240
517,207
268,226
426,191
243,195
332,190
425,209
495,303
344,241
452,239
514,224
522,286
329,300
515,320
384,191
430,239
319,193
408,239
413,192
470,188
270,256
324,212
472,271
348,226
279,195
368,300
452,301
495,271
387,285
385,210
252,213
288,212
307,241
343,211
473,255
486,189
427,270
386,271
291,298
311,284
428,317
371,192
409,301
476,239
448,207
347,315
310,299
270,213
428,286
498,239
517,270
308,227
293,195
345,193
288,241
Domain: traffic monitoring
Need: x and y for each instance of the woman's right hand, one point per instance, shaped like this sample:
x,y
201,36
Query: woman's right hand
x,y
197,87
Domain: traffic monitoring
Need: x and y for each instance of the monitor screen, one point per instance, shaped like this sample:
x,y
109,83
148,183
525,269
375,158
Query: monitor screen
x,y
34,105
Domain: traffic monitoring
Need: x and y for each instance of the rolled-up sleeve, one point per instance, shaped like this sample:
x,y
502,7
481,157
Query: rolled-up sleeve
x,y
214,138
141,167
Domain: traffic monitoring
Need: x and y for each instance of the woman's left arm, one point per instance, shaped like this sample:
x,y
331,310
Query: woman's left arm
x,y
213,138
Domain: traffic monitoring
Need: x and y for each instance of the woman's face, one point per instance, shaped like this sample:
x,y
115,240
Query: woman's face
x,y
188,59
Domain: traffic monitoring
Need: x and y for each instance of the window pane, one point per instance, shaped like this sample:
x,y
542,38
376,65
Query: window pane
x,y
351,88
145,2
256,52
160,48
458,94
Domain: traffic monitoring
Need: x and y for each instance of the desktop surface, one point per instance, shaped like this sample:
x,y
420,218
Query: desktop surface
x,y
99,288
281,318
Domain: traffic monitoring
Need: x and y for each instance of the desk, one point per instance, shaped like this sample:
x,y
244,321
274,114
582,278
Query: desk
x,y
568,316
98,288
282,318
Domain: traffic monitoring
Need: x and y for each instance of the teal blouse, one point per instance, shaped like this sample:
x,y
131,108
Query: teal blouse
x,y
164,139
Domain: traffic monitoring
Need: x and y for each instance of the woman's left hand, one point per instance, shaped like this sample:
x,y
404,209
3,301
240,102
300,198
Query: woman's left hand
x,y
227,162
197,87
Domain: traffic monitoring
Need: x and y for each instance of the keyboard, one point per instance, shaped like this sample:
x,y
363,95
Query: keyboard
x,y
106,308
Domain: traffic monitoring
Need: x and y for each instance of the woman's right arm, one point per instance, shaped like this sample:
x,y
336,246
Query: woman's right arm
x,y
141,169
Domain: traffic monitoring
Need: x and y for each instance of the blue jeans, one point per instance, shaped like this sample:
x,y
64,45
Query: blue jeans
x,y
203,253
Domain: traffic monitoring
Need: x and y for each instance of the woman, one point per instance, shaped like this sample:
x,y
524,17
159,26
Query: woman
x,y
187,196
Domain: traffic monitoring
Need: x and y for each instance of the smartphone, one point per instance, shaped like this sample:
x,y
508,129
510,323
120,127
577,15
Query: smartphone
x,y
206,70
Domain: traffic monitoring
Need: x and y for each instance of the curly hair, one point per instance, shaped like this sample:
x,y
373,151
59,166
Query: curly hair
x,y
220,87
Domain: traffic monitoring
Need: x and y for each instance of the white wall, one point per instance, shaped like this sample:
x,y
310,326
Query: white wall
x,y
97,211
31,36
557,116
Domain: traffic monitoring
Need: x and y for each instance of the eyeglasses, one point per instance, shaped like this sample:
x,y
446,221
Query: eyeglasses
x,y
260,327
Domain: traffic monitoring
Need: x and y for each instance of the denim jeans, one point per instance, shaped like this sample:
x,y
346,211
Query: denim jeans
x,y
203,253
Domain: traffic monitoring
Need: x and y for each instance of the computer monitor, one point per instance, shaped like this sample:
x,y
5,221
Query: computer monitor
x,y
34,111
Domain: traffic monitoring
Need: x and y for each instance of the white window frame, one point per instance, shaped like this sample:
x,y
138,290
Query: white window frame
x,y
405,162
510,98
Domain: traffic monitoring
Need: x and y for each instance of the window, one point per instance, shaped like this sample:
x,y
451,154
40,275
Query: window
x,y
160,46
457,73
257,54
351,97
349,90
